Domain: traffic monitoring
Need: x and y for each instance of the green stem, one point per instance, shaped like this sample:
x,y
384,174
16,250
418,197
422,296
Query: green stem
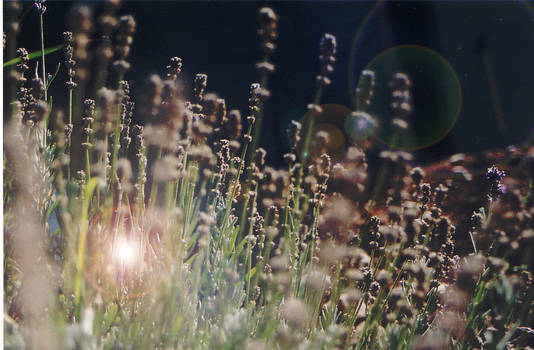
x,y
249,255
84,223
154,187
309,127
251,156
383,173
116,146
43,56
231,194
87,162
473,242
69,145
70,104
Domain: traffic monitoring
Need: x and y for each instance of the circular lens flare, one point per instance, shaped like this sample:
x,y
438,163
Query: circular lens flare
x,y
436,90
328,133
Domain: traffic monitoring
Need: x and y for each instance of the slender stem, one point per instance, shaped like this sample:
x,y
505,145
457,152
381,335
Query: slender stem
x,y
473,242
154,187
288,202
91,186
43,57
383,172
70,105
116,142
140,195
87,161
44,141
251,156
490,214
234,186
11,50
304,153
249,250
309,127
69,141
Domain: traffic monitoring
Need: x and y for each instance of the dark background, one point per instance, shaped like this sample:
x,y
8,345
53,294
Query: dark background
x,y
220,39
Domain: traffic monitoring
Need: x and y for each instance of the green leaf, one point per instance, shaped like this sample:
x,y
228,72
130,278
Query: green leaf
x,y
251,273
35,54
110,316
240,246
47,117
51,209
232,239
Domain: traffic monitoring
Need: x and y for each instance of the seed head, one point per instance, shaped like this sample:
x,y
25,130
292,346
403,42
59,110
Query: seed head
x,y
174,68
294,133
417,175
494,177
401,95
201,81
328,47
22,66
296,313
40,7
365,89
383,277
268,30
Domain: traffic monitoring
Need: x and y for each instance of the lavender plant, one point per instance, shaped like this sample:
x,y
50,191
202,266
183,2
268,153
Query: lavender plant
x,y
176,234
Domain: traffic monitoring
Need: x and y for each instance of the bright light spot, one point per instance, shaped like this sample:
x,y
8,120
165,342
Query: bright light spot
x,y
359,125
126,252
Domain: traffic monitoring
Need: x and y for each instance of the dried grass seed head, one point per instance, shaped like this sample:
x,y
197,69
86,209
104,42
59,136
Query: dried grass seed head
x,y
68,59
172,111
107,101
468,271
124,174
365,89
336,217
37,88
268,30
174,68
317,281
24,57
200,84
125,34
383,277
151,98
80,19
233,127
293,131
81,24
296,313
88,114
401,104
327,49
12,10
166,169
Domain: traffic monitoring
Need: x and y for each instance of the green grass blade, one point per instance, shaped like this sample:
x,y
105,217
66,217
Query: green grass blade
x,y
36,54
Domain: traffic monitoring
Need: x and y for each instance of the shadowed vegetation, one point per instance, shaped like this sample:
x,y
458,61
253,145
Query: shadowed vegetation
x,y
154,222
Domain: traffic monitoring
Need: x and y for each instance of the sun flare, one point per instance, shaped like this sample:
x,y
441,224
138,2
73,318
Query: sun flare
x,y
126,252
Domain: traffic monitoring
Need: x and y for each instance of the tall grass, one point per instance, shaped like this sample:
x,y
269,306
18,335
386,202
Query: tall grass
x,y
176,234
